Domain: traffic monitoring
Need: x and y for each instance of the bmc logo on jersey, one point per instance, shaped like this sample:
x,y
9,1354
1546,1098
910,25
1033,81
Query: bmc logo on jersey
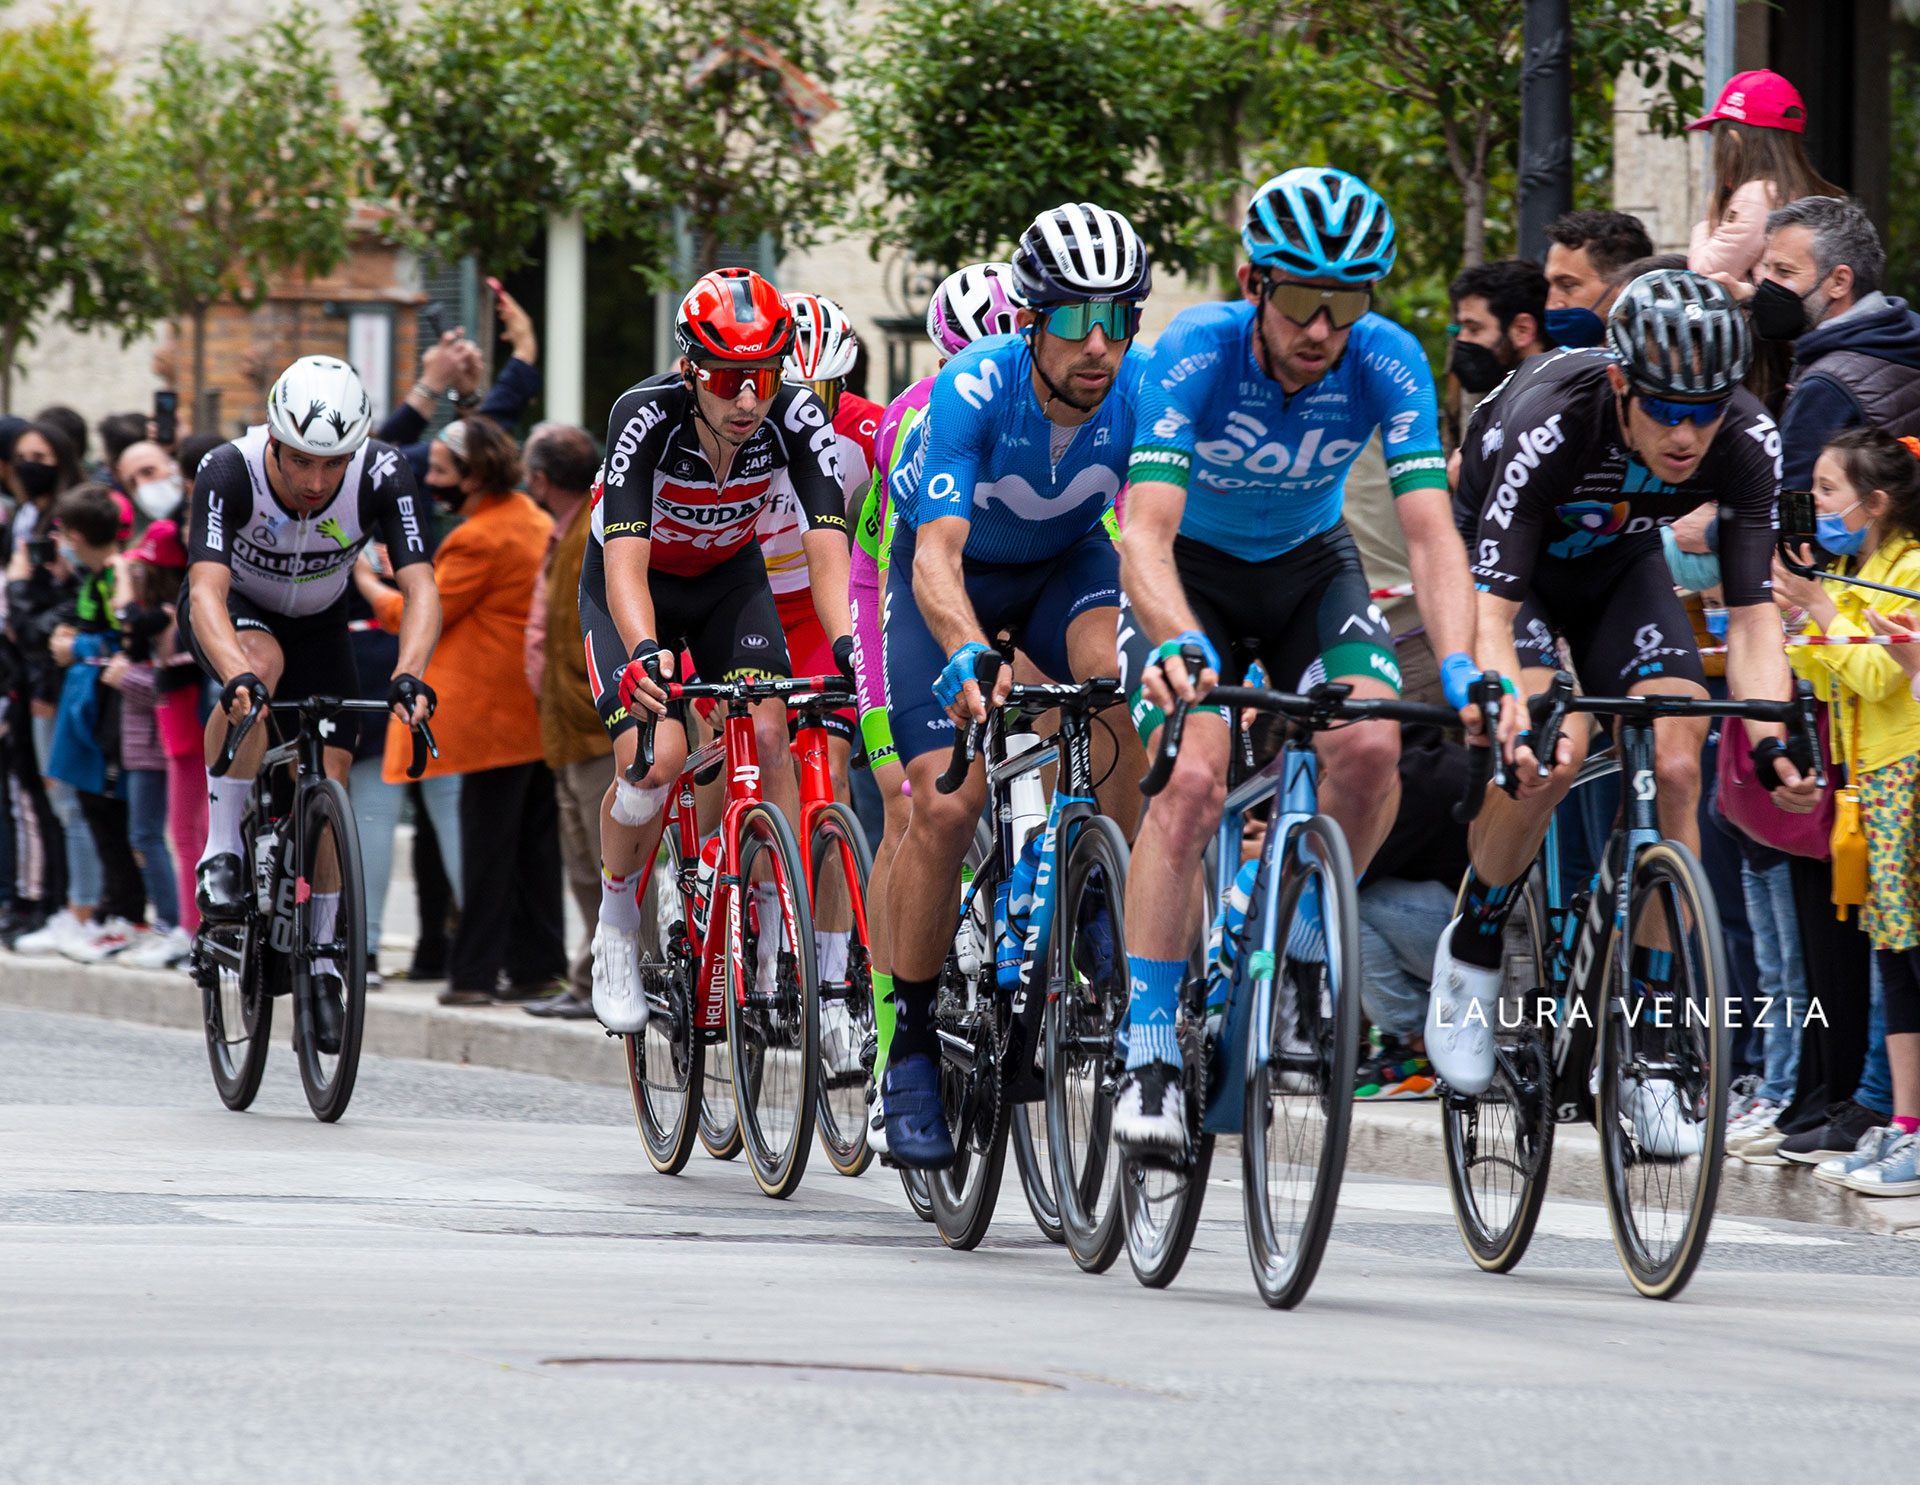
x,y
1528,449
977,391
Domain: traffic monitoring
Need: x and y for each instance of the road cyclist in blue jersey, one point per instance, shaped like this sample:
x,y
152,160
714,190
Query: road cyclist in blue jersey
x,y
1027,439
1251,413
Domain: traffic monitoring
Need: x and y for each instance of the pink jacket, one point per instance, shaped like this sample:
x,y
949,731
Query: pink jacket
x,y
1737,244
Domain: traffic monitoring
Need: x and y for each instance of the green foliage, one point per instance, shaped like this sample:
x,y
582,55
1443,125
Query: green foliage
x,y
1903,165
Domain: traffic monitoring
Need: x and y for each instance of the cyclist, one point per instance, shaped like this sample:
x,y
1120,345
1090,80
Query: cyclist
x,y
1026,446
1570,471
1234,543
279,517
972,302
693,458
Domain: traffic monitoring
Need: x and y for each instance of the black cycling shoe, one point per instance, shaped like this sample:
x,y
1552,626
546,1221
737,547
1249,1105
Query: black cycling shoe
x,y
329,1013
220,888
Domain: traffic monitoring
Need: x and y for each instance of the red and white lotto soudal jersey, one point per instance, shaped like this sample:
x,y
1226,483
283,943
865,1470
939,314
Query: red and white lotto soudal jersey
x,y
783,523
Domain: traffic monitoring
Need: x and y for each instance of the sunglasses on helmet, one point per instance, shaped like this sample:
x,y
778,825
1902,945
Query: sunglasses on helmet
x,y
725,382
1301,302
1672,414
1119,318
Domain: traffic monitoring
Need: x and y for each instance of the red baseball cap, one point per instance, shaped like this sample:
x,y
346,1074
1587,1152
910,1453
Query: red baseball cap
x,y
1761,98
161,546
126,513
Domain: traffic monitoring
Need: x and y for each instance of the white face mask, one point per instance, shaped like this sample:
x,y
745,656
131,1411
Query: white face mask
x,y
159,498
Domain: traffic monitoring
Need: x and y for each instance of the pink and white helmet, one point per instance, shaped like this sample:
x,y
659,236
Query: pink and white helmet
x,y
824,345
974,301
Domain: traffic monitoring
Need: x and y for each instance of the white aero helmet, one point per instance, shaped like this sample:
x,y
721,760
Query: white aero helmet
x,y
824,345
319,407
972,302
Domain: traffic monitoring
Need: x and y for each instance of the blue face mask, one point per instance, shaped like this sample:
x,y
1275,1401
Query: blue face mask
x,y
68,554
1575,328
1832,533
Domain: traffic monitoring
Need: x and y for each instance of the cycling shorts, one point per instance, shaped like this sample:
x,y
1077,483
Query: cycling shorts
x,y
317,651
870,684
1033,602
1617,608
1305,615
725,617
811,653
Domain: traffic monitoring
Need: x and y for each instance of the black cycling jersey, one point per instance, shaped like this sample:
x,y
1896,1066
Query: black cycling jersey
x,y
658,484
1544,474
295,563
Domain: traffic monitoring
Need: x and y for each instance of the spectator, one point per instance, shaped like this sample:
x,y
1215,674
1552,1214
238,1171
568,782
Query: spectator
x,y
194,449
42,468
1501,314
488,723
560,468
456,363
74,426
120,432
1586,248
148,474
1856,353
1759,164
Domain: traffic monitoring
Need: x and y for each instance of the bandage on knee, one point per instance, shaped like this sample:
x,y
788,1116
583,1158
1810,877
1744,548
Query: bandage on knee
x,y
633,805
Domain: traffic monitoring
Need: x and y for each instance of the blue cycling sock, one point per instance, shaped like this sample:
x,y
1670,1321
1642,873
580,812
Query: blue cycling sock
x,y
1156,995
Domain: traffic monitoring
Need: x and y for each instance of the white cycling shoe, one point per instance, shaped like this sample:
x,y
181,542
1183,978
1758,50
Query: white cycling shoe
x,y
1462,1002
839,1040
619,999
877,1124
1660,1122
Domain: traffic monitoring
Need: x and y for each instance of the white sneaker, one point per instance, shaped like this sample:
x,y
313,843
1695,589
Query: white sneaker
x,y
161,949
102,941
1872,1147
839,1042
1461,1005
619,999
1660,1121
52,936
1757,1121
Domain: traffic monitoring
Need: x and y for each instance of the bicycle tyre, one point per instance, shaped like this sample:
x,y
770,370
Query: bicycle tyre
x,y
1285,1260
237,1008
1034,1162
914,1183
1498,1179
326,812
663,1061
773,1038
1704,1046
1082,1065
719,1124
842,1116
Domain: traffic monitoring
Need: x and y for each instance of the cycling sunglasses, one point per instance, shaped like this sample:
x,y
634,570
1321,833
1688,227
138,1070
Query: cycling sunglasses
x,y
828,392
1673,414
725,382
1119,318
1301,302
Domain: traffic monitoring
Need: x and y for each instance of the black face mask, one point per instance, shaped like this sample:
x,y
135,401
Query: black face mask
x,y
1778,312
451,496
36,480
1477,367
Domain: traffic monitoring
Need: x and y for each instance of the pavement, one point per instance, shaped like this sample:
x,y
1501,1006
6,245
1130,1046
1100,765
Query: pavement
x,y
476,1277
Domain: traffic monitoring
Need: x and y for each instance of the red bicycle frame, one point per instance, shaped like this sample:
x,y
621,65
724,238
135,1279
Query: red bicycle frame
x,y
816,793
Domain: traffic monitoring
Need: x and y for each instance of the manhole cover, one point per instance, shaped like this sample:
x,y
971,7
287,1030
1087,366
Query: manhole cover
x,y
839,1374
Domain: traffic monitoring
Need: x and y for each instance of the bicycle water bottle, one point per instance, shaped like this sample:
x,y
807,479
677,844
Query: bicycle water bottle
x,y
1027,805
703,876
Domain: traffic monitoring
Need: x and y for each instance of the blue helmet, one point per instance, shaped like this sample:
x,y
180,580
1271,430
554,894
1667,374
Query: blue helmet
x,y
1317,222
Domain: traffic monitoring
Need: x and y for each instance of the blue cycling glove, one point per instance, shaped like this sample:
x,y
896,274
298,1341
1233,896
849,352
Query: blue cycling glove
x,y
1199,641
958,670
1457,673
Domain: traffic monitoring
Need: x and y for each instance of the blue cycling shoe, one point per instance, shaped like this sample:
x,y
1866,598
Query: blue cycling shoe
x,y
917,1134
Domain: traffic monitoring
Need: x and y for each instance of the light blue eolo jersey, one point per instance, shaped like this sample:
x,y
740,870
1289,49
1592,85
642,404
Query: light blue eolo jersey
x,y
988,456
1265,471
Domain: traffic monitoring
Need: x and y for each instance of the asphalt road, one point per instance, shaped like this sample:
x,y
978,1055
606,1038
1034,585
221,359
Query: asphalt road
x,y
477,1277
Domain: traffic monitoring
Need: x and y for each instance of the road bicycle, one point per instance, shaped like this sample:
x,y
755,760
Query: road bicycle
x,y
730,967
1589,1031
301,844
1269,1011
1037,972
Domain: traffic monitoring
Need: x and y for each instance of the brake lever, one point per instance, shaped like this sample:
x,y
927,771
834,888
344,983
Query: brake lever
x,y
967,739
236,734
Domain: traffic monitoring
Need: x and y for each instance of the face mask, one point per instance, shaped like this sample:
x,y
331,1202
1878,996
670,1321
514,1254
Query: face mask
x,y
67,554
1575,328
1478,367
158,499
1778,312
1832,533
451,496
37,480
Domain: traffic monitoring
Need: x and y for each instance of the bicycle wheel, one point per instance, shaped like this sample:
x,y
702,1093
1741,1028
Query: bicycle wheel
x,y
1500,1143
662,1060
1088,961
238,1007
1663,1050
1027,1130
329,868
914,1182
773,1010
963,1195
841,864
1299,1096
719,1125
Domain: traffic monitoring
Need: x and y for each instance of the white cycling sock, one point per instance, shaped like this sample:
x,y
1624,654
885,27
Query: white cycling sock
x,y
324,916
767,898
226,803
830,954
619,907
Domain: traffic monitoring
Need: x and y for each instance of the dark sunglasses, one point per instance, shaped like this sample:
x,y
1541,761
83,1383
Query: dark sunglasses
x,y
828,392
725,382
1673,414
1119,318
1301,302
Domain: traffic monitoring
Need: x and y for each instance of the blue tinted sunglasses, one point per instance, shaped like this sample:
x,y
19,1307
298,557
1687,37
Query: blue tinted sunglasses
x,y
1119,318
1673,414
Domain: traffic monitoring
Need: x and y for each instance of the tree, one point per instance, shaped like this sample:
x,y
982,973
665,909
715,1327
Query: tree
x,y
231,168
55,111
1457,62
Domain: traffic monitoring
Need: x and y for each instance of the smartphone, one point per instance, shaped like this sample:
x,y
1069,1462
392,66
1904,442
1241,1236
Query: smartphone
x,y
40,551
1797,526
166,418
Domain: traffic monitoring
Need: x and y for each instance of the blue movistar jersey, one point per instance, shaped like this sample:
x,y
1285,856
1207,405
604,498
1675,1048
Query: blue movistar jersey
x,y
988,456
1263,470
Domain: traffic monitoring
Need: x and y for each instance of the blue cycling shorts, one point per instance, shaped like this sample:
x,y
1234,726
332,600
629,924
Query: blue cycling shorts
x,y
1031,602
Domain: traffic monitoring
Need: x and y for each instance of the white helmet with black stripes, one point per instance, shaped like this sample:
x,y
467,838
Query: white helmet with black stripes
x,y
1080,252
319,407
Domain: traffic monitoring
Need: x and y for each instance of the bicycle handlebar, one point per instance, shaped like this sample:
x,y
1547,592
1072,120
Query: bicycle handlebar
x,y
321,707
795,689
966,740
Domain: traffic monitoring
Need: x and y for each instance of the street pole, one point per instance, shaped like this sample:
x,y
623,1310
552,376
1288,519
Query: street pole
x,y
565,332
1716,70
1546,123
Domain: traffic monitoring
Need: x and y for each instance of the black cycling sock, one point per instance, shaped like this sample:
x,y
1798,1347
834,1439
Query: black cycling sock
x,y
915,1026
1652,968
1476,938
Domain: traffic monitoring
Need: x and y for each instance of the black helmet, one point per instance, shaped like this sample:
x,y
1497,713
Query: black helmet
x,y
1678,334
